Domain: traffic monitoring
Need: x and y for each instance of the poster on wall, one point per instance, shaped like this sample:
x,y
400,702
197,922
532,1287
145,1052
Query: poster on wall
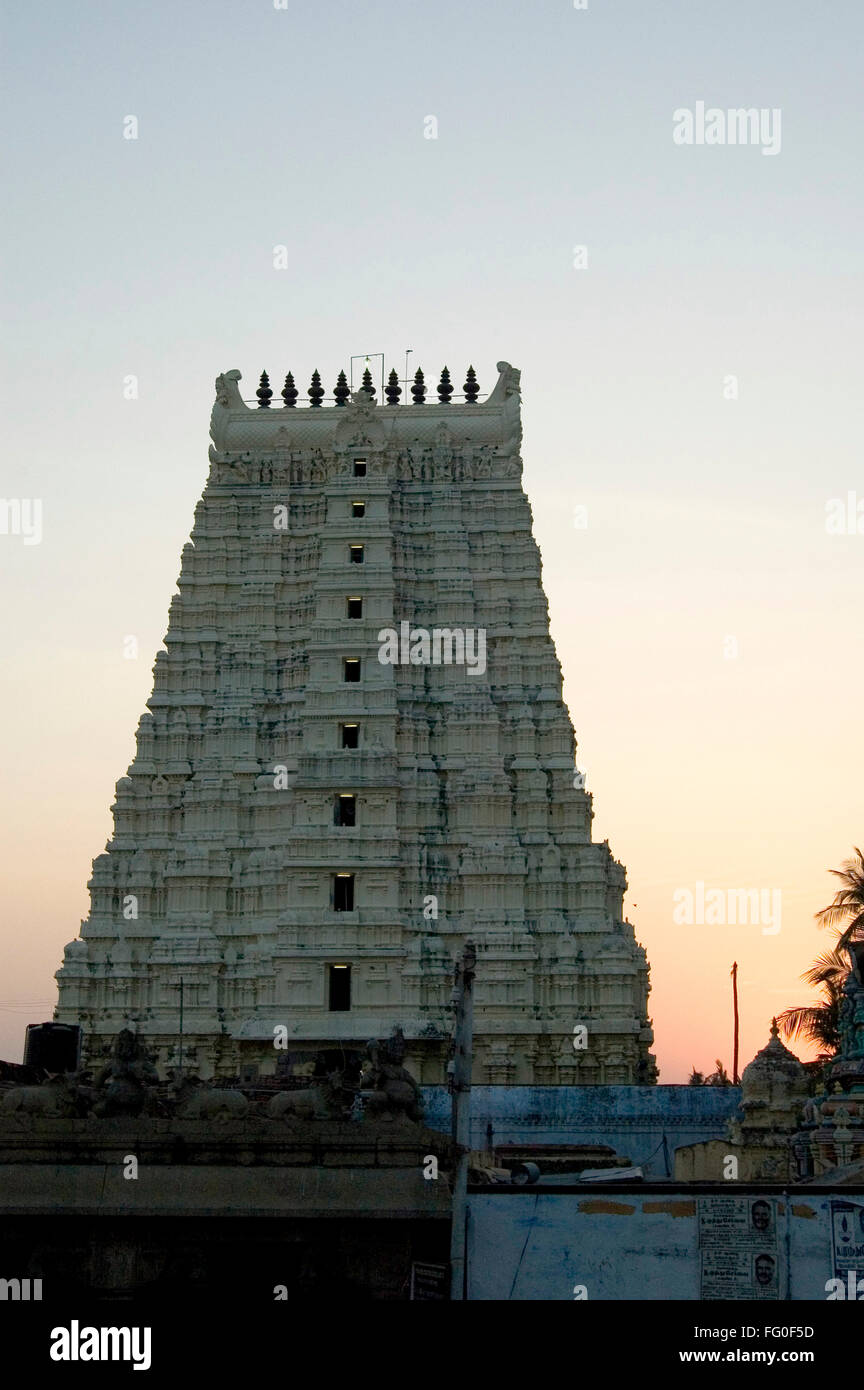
x,y
738,1248
428,1282
847,1234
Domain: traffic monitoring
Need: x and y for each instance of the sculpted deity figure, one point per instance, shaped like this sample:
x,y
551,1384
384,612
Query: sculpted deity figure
x,y
124,1080
392,1088
851,1023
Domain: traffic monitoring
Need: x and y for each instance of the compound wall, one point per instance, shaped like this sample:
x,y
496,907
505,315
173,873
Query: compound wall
x,y
629,1243
643,1123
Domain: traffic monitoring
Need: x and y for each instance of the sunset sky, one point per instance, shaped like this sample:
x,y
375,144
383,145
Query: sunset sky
x,y
708,624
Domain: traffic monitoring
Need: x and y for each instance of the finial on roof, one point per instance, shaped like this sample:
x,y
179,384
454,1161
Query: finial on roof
x,y
316,390
775,1031
289,391
264,393
418,390
393,390
445,390
368,384
341,390
471,388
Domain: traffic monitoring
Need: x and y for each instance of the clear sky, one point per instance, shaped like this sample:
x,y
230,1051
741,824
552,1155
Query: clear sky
x,y
708,625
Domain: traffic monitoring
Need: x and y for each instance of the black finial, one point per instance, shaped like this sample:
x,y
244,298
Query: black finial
x,y
418,390
368,385
445,390
393,390
316,390
341,390
289,392
264,393
471,388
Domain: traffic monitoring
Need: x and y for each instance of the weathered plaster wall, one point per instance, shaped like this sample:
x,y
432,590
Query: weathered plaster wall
x,y
632,1119
536,1245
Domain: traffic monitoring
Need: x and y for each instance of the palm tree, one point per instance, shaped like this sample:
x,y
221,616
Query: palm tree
x,y
819,1023
720,1077
848,905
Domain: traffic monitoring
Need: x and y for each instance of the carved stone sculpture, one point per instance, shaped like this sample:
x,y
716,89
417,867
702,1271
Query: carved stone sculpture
x,y
122,1084
54,1099
331,1099
389,1089
198,1102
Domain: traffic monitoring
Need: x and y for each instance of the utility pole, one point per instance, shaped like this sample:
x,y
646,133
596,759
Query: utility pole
x,y
460,1090
735,1077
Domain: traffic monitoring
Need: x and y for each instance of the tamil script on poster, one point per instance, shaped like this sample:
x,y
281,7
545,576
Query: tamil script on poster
x,y
738,1244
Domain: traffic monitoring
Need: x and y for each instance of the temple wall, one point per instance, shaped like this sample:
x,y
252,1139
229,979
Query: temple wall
x,y
621,1245
631,1119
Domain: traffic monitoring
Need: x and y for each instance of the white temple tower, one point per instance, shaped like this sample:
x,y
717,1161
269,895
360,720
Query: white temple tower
x,y
308,834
